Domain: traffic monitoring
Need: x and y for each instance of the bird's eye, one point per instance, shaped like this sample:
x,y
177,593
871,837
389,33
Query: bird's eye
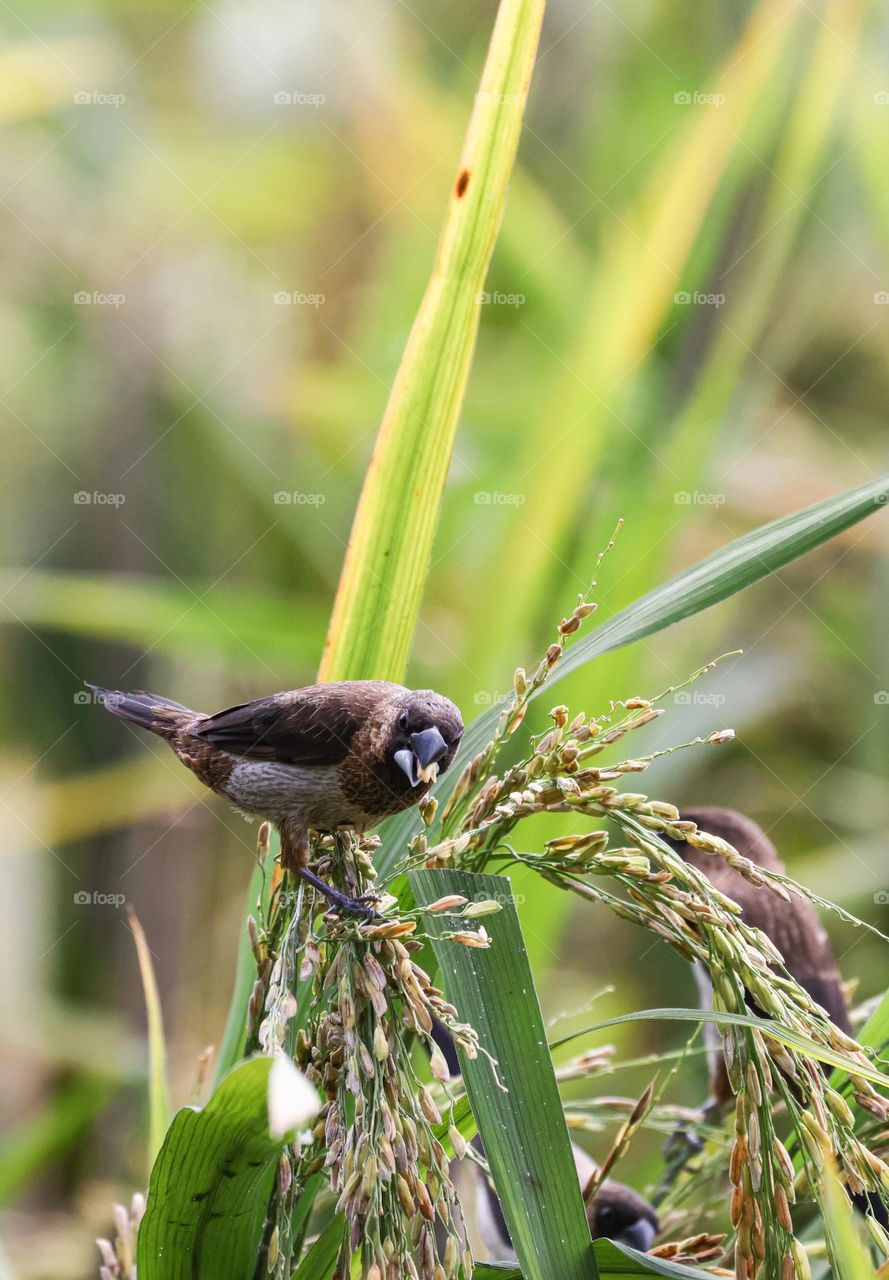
x,y
403,719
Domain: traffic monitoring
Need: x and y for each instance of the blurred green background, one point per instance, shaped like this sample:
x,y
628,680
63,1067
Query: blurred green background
x,y
217,222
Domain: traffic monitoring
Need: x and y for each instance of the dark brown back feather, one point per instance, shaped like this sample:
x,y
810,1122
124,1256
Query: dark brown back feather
x,y
310,726
792,926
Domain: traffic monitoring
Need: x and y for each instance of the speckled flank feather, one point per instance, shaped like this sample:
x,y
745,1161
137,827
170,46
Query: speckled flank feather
x,y
277,790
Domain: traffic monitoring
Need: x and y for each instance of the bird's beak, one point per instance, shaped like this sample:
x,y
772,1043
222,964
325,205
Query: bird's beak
x,y
407,761
640,1235
429,747
420,764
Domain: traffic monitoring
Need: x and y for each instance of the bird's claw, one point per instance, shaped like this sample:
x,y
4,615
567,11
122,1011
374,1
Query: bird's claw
x,y
341,903
683,1143
362,908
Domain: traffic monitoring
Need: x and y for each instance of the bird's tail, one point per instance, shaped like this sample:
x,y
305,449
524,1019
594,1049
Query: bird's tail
x,y
160,715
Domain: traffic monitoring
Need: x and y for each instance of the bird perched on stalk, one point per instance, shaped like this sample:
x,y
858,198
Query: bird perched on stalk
x,y
792,926
616,1212
340,755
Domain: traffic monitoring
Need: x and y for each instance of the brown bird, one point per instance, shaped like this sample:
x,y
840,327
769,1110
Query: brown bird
x,y
792,926
616,1212
344,754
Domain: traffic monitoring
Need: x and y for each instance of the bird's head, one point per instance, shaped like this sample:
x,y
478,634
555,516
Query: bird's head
x,y
424,735
619,1213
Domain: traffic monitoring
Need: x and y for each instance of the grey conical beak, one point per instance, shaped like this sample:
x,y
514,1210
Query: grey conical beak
x,y
421,763
429,747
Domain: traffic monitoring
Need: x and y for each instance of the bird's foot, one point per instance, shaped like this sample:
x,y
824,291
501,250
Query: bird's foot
x,y
682,1144
357,908
682,1147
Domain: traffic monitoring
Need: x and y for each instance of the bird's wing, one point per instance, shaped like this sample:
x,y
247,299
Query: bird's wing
x,y
809,957
797,932
311,726
793,926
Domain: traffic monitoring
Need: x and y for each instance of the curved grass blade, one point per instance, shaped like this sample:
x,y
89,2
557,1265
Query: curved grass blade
x,y
158,1088
743,562
319,1262
613,1261
768,1027
518,1109
390,546
749,558
848,1253
210,1185
231,1050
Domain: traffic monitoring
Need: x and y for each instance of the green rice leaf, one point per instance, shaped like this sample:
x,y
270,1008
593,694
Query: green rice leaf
x,y
613,1261
848,1252
211,1183
320,1260
158,1088
516,1104
768,1027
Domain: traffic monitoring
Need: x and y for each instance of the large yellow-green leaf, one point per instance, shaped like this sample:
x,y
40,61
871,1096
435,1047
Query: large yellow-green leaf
x,y
683,450
390,546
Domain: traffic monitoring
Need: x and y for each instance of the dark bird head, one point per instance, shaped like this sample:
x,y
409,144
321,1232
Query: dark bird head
x,y
619,1213
424,735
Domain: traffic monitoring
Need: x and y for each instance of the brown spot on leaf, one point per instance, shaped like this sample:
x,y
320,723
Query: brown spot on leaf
x,y
462,183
